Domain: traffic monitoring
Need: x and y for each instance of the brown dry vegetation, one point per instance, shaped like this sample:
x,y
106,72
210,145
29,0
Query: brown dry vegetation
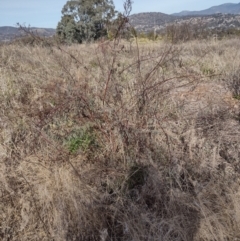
x,y
105,142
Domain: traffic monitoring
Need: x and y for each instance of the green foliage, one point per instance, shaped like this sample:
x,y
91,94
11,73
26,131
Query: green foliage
x,y
93,63
83,139
85,20
68,31
237,97
207,70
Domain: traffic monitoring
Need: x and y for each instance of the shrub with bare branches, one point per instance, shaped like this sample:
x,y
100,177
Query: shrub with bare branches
x,y
104,142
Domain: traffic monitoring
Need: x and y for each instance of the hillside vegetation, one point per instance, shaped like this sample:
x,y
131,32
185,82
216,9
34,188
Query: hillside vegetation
x,y
214,23
8,33
119,141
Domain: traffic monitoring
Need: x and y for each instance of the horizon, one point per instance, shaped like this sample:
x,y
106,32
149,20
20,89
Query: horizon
x,y
47,14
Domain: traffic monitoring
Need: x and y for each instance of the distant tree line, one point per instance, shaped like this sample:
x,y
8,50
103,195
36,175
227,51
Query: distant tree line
x,y
184,32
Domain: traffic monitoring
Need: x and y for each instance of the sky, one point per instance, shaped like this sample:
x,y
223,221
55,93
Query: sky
x,y
47,13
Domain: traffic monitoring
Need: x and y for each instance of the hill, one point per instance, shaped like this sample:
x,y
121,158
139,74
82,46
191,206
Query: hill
x,y
8,33
146,22
151,18
227,8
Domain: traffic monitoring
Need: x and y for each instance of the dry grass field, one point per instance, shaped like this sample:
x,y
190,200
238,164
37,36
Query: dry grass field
x,y
112,141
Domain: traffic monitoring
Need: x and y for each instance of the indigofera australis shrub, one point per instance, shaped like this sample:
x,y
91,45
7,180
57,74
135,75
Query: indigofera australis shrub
x,y
97,145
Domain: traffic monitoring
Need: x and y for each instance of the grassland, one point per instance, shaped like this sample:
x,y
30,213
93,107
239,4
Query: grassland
x,y
112,141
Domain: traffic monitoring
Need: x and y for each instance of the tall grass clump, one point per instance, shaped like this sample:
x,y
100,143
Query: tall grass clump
x,y
108,141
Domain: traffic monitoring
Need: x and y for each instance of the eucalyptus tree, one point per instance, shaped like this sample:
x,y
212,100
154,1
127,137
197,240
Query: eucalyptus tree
x,y
85,20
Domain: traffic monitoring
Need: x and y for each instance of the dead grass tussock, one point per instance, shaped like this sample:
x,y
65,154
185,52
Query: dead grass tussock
x,y
118,142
